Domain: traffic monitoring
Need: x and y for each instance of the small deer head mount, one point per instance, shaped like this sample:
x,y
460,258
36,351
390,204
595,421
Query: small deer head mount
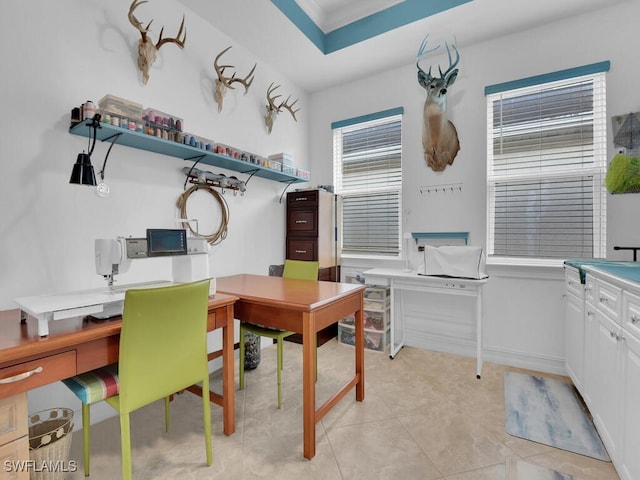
x,y
439,135
147,50
222,82
274,108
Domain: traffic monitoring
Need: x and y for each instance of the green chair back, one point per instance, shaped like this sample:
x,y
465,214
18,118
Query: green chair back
x,y
300,269
163,349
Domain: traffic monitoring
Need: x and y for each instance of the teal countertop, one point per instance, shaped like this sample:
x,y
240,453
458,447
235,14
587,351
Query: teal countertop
x,y
626,270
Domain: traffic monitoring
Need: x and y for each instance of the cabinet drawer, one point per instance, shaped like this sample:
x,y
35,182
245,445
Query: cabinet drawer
x,y
13,456
589,290
29,375
13,418
572,282
305,199
302,222
631,314
608,299
302,249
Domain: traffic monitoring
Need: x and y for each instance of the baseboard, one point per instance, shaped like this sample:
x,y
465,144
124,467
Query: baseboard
x,y
466,348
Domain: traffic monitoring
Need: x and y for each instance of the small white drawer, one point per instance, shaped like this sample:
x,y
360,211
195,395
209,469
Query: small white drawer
x,y
572,281
589,290
631,314
608,299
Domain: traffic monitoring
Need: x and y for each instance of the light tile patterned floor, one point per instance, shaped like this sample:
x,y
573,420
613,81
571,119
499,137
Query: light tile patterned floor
x,y
425,416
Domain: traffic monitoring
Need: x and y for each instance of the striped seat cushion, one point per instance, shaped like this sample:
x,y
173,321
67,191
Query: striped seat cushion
x,y
96,385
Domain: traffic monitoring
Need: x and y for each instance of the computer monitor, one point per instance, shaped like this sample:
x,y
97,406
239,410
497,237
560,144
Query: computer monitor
x,y
166,242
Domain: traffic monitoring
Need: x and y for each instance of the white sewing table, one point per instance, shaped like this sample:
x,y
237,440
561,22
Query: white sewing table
x,y
400,280
88,302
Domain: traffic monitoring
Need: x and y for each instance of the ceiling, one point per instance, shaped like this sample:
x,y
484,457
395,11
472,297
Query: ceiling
x,y
295,47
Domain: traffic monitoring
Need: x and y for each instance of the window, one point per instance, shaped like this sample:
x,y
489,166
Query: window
x,y
367,173
546,163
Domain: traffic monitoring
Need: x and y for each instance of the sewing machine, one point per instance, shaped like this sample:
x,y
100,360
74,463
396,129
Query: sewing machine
x,y
113,256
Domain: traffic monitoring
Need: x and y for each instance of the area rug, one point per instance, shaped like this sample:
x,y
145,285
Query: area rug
x,y
547,411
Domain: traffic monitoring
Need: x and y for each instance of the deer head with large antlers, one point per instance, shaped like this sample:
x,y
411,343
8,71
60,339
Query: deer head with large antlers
x,y
274,108
439,135
147,50
222,82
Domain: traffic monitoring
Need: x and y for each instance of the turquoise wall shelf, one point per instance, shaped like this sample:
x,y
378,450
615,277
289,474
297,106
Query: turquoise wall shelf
x,y
149,143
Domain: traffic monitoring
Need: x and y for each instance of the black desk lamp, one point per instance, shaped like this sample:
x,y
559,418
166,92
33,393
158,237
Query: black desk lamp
x,y
82,173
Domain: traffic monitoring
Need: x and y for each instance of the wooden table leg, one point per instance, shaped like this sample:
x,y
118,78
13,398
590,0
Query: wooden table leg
x,y
228,378
360,354
309,385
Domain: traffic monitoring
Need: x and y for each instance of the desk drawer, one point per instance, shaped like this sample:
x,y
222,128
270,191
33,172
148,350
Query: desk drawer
x,y
29,375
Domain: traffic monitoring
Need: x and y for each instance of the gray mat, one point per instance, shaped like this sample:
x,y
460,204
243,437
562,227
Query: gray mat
x,y
547,411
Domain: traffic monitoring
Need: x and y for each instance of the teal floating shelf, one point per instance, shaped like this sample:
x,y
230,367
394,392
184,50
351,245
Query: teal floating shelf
x,y
149,143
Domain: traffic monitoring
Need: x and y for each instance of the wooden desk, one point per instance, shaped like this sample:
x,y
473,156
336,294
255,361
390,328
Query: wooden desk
x,y
305,307
77,345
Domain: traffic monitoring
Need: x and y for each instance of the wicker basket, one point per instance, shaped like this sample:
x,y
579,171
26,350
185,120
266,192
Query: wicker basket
x,y
49,443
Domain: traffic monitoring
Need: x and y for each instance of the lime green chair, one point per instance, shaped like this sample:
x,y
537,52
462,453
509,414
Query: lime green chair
x,y
298,269
163,350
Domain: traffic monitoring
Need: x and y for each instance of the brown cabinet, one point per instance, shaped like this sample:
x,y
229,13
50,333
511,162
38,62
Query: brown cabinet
x,y
312,230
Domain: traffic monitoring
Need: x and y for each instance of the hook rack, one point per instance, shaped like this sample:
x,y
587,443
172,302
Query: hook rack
x,y
200,177
442,188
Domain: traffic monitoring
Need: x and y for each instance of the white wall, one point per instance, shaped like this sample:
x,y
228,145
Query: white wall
x,y
55,56
524,307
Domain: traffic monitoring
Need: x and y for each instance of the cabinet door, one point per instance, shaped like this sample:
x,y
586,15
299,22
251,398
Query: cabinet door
x,y
590,332
631,410
574,338
607,382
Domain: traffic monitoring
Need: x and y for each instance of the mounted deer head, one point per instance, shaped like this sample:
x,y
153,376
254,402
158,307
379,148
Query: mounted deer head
x,y
222,82
273,108
439,136
147,50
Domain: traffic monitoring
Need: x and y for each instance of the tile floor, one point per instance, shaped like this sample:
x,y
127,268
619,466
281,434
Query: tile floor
x,y
425,416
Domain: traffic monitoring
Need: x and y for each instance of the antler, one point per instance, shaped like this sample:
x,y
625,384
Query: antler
x,y
423,52
289,107
145,30
220,69
146,49
246,81
229,81
177,40
274,108
223,82
271,99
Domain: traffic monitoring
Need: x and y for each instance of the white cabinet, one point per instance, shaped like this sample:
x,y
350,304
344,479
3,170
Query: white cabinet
x,y
606,376
574,327
603,360
631,410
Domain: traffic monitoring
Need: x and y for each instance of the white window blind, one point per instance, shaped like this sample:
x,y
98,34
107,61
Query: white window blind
x,y
546,163
367,171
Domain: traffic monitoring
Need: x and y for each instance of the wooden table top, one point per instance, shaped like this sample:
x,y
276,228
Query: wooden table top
x,y
293,294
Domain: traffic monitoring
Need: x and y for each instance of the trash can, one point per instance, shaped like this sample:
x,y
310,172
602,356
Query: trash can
x,y
251,350
49,443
